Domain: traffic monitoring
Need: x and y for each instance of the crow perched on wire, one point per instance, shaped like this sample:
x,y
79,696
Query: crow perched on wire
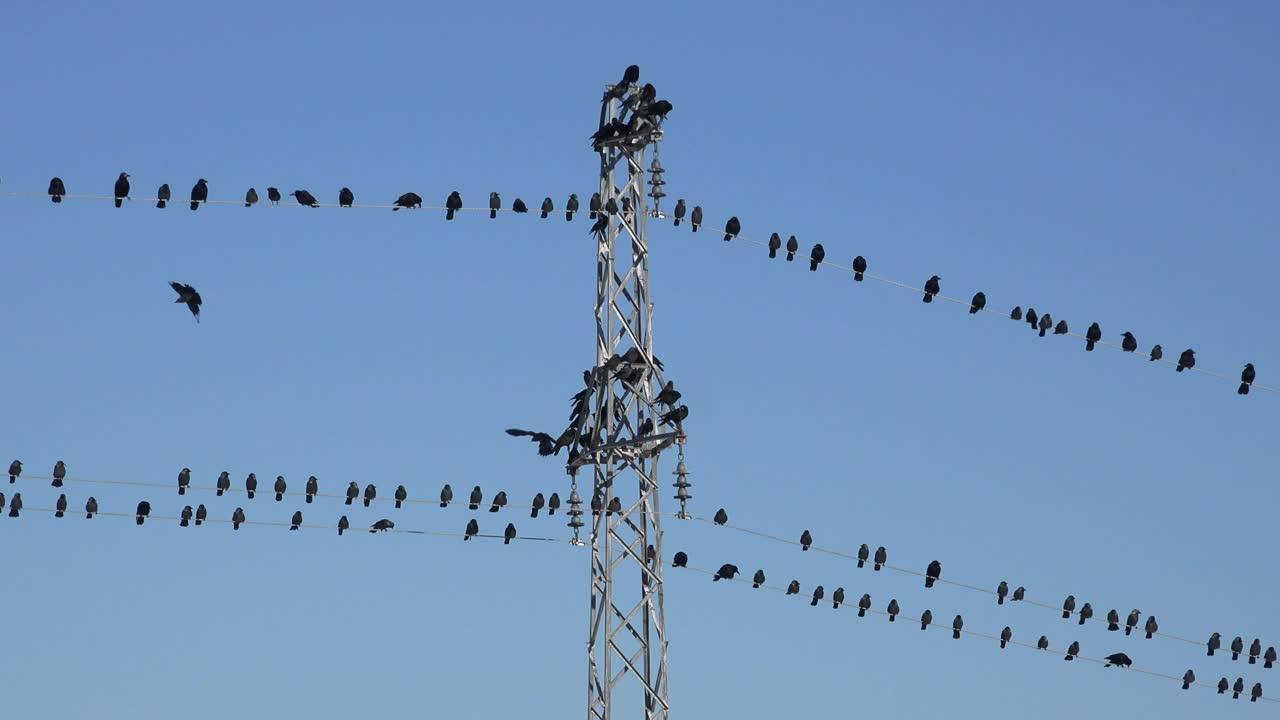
x,y
408,200
237,518
956,626
353,491
199,193
250,197
1237,688
188,295
816,256
1157,353
163,195
593,206
59,473
679,212
1119,660
401,495
1072,650
1246,379
680,559
1002,590
201,513
978,302
122,188
893,610
721,517
477,497
296,521
60,510
864,604
370,494
1046,322
57,189
571,207
931,287
1092,336
473,529
864,553
1031,317
859,267
1016,313
382,525
184,481
726,572
519,206
343,525
732,228
696,218
90,508
881,558
1113,620
836,598
346,198
547,208
926,618
1042,643
273,195
1130,343
1005,636
539,502
313,487
1132,621
1152,627
509,534
280,487
775,242
1086,613
15,505
452,204
305,198
932,573
1068,606
1020,594
495,204
793,588
144,509
817,595
1061,328
1187,679
446,495
806,541
1187,360
793,245
499,501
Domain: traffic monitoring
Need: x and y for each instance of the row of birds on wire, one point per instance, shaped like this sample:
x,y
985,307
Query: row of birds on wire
x,y
892,610
1083,612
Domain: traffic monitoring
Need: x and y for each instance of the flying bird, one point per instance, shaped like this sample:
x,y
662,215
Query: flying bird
x,y
59,473
1005,636
346,198
732,228
758,579
401,495
383,525
408,200
932,573
353,491
476,498
305,198
188,295
184,480
775,242
978,302
956,626
495,204
1073,650
1119,660
343,525
679,212
250,197
452,204
696,218
280,488
931,287
237,518
1092,336
519,206
571,207
1187,360
57,189
837,597
370,493
1246,379
547,208
805,540
199,193
816,256
793,246
163,195
721,517
864,552
1157,353
144,509
818,594
726,572
122,188
864,604
793,588
296,521
509,534
882,557
60,509
90,507
680,559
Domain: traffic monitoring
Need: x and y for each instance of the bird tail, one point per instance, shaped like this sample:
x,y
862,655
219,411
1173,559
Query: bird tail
x,y
251,495
678,225
1149,637
1088,346
791,256
183,491
198,521
1000,600
1253,659
1072,657
861,563
310,496
862,612
57,483
857,277
443,504
695,227
1066,614
1002,644
544,214
139,519
1244,389
955,634
184,522
492,213
61,513
1235,696
160,204
568,216
340,531
279,497
893,618
533,513
1178,369
506,541
814,603
293,527
1210,652
473,506
1113,627
928,582
813,266
366,502
466,538
929,298
773,252
180,492
448,215
348,500
398,504
1186,685
1129,630
1042,332
1081,620
88,516
235,526
804,548
876,567
195,204
551,511
973,309
727,237
118,201
1234,655
371,530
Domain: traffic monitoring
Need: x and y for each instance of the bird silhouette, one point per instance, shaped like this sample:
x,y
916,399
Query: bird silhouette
x,y
956,626
1157,353
401,495
893,610
446,495
864,552
859,267
1002,590
1269,657
499,501
188,295
57,189
1073,650
280,488
15,505
721,517
1215,643
1223,685
1187,360
931,287
60,509
864,604
59,473
1256,692
509,534
1019,594
793,246
353,492
680,559
1042,643
793,588
978,302
144,509
408,200
199,193
1187,679
163,195
1061,328
816,256
250,197
346,198
184,518
669,395
1086,613
382,525
571,207
237,518
1132,621
224,482
547,208
1237,647
452,204
1246,379
296,521
674,417
553,503
805,540
775,242
1092,336
495,204
837,597
882,557
629,77
201,514
122,188
679,212
1113,620
476,498
1046,322
90,507
1031,318
519,206
251,485
1254,651
926,618
1119,660
1152,627
695,220
817,596
1016,313
758,579
726,572
1236,688
593,205
343,525
313,487
370,494
1068,606
1129,343
732,228
932,573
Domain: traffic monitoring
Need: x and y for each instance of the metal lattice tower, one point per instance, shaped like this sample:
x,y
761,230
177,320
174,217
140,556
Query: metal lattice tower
x,y
627,645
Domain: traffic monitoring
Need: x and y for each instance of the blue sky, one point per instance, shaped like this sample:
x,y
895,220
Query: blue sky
x,y
1104,163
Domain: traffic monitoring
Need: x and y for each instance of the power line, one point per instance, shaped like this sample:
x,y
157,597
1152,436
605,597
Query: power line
x,y
968,632
535,209
941,580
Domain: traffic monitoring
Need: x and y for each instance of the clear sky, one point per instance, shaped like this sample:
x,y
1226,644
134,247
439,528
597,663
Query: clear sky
x,y
1102,161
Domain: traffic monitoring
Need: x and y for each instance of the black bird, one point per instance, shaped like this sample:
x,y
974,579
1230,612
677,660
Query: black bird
x,y
296,521
864,552
383,525
370,492
546,443
15,505
1020,594
859,267
1119,660
1061,328
1187,360
775,242
679,212
1068,606
571,207
675,417
1254,651
1157,353
346,198
1092,336
495,204
353,491
1269,657
956,626
599,226
273,196
1032,318
59,473
1132,621
726,572
313,487
476,498
1152,627
224,482
758,579
1073,650
1246,379
931,287
237,518
793,245
60,509
553,503
680,559
793,588
932,573
893,610
188,295
90,508
1005,636
519,206
805,540
201,513
401,495
1236,688
837,597
163,195
1042,643
629,78
199,193
816,256
1237,647
864,604
1086,613
978,302
343,524
669,395
122,188
57,189
1256,692
15,470
1113,620
184,480
1016,313
1215,643
499,501
473,529
446,495
1001,591
721,517
818,594
882,557
184,518
1188,678
1129,343
408,200
547,208
615,506
538,503
1046,322
696,218
251,197
593,205
280,488
1223,685
509,534
732,228
144,509
926,618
